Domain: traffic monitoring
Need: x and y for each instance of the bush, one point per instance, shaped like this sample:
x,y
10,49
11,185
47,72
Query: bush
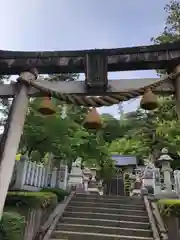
x,y
169,207
31,199
60,193
12,226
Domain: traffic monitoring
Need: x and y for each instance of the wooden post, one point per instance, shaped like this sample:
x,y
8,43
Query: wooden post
x,y
15,128
177,92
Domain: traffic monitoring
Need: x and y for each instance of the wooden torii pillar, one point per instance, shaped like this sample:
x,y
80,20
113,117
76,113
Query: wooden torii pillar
x,y
95,64
11,143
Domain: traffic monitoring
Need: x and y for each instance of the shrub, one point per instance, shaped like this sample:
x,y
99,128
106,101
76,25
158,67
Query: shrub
x,y
12,226
169,207
31,199
60,193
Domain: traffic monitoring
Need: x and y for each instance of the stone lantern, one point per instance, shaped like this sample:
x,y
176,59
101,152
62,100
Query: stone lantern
x,y
165,161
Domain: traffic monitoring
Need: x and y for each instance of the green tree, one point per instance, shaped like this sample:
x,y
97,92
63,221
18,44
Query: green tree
x,y
171,30
112,128
168,128
149,132
65,136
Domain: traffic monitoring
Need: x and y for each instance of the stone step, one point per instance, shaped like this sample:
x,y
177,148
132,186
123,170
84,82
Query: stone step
x,y
103,209
93,192
109,199
106,204
106,222
103,229
92,185
110,196
73,235
97,215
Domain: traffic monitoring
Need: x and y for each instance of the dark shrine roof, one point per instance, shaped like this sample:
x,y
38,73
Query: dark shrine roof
x,y
124,160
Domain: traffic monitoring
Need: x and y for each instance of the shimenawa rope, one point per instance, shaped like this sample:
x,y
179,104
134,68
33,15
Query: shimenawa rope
x,y
102,100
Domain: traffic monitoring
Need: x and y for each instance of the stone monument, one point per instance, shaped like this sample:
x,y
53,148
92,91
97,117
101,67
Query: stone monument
x,y
76,175
148,177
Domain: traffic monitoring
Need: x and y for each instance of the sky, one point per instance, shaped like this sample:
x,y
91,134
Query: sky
x,y
82,24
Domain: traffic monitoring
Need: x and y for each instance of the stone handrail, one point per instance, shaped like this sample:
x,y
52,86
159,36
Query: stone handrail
x,y
159,221
51,222
156,235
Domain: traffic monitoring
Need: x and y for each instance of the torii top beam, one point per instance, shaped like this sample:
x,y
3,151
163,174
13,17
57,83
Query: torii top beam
x,y
161,56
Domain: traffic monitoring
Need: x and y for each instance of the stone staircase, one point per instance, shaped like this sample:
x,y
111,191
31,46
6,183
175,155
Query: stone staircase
x,y
93,217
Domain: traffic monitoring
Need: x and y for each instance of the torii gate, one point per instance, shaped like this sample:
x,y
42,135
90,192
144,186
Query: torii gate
x,y
95,64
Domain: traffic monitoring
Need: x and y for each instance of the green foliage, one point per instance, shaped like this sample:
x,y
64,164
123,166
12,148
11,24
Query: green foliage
x,y
60,193
148,132
172,28
12,226
112,129
31,199
106,172
64,137
169,207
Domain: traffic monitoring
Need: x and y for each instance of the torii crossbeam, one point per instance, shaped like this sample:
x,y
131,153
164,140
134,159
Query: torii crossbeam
x,y
95,64
161,56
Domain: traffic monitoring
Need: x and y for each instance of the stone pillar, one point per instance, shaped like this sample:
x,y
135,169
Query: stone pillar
x,y
76,176
62,176
65,177
21,174
177,91
157,181
177,182
53,178
166,169
93,172
13,135
148,178
85,183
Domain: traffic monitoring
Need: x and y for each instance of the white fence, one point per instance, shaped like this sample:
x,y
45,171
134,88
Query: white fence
x,y
31,176
177,182
159,186
154,178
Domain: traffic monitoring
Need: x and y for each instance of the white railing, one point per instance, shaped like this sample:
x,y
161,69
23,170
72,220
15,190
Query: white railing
x,y
154,178
158,184
31,176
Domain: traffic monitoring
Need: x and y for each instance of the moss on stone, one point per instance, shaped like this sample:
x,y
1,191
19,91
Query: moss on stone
x,y
169,207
